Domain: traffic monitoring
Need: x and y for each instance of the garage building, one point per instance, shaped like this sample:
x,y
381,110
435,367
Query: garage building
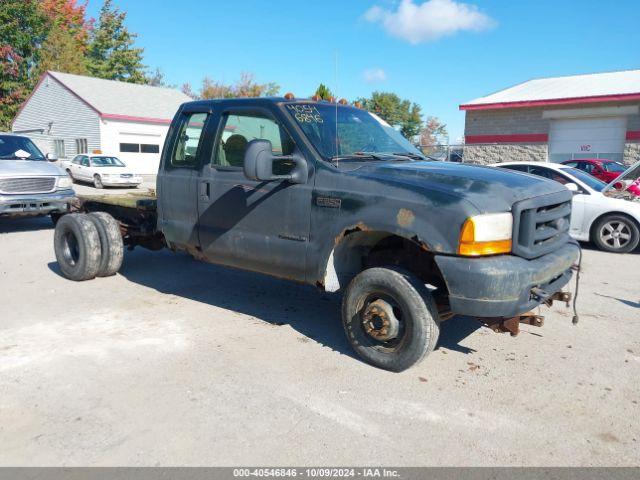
x,y
557,119
71,114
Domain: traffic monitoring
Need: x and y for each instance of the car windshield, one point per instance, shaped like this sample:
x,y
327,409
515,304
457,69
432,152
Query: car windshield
x,y
592,182
106,162
613,167
13,147
338,132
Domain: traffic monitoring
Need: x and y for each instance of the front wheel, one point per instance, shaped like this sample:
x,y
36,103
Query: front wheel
x,y
97,181
390,318
616,233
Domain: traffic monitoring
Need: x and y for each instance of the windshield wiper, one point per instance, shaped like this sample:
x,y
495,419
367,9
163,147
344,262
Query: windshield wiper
x,y
358,156
13,157
412,156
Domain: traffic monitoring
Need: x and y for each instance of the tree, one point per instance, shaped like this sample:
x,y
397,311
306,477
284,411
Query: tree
x,y
246,86
156,78
397,112
23,28
323,92
432,131
112,54
66,44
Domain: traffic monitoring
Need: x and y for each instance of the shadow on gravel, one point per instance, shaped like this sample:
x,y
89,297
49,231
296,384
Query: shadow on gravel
x,y
629,303
29,224
277,302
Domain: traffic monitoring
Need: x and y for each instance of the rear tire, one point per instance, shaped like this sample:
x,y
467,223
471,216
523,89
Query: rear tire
x,y
616,233
77,247
407,309
111,245
97,181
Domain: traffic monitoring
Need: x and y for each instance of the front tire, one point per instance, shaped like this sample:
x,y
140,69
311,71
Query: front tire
x,y
390,318
97,181
616,233
77,247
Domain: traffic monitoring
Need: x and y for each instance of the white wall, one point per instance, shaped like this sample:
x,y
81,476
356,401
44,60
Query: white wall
x,y
115,132
53,112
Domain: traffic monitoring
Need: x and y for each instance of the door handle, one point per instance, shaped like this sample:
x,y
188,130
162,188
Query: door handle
x,y
205,190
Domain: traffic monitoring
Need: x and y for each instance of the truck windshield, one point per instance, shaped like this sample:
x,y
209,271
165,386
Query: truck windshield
x,y
339,131
13,147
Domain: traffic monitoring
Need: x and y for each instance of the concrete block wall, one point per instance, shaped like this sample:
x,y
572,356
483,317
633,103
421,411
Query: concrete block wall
x,y
631,153
486,154
507,121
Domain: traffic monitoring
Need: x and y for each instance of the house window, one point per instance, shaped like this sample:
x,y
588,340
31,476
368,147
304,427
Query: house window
x,y
130,147
148,148
58,148
81,145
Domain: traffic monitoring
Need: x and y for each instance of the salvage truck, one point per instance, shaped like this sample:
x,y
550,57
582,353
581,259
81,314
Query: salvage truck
x,y
328,194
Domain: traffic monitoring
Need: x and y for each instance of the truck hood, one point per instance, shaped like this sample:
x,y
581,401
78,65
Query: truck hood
x,y
28,168
488,189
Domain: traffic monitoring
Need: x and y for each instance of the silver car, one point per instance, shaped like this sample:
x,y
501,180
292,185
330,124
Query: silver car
x,y
29,184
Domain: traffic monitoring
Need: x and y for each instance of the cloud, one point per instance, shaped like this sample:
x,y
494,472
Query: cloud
x,y
430,20
373,75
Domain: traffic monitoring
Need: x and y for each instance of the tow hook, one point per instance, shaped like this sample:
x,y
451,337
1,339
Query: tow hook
x,y
512,325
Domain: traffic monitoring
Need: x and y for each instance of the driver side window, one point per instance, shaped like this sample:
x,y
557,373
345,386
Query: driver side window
x,y
239,129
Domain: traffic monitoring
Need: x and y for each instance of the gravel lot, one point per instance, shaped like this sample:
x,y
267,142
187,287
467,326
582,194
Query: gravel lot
x,y
175,362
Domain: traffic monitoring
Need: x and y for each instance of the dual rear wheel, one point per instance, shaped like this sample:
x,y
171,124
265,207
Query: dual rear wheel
x,y
88,245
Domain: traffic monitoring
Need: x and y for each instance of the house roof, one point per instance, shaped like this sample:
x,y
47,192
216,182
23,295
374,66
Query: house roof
x,y
122,100
592,88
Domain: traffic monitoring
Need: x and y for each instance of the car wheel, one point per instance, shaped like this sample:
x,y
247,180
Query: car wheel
x,y
390,318
70,175
77,247
111,245
97,181
616,233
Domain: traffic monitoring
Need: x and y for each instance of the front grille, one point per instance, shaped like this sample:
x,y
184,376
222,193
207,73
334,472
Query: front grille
x,y
541,224
27,185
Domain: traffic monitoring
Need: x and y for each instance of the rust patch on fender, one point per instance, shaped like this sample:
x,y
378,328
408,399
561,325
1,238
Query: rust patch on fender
x,y
405,217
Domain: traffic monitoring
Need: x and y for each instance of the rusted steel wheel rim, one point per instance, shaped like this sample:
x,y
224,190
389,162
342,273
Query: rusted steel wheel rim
x,y
381,320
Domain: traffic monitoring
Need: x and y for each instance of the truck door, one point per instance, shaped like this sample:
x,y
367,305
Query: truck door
x,y
177,186
259,226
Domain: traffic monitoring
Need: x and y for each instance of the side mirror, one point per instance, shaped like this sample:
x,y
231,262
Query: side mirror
x,y
258,163
572,187
52,157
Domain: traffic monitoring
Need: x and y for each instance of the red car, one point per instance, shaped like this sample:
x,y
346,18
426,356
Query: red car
x,y
605,170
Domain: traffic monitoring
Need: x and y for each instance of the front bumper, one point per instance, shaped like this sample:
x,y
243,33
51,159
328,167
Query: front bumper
x,y
121,182
500,286
35,204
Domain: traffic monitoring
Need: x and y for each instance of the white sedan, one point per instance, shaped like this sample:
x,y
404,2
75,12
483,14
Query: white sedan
x,y
612,224
102,170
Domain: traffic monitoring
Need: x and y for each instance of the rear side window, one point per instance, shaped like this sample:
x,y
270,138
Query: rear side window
x,y
185,153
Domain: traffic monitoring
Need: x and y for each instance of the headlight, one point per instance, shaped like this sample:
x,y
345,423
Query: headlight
x,y
487,234
64,182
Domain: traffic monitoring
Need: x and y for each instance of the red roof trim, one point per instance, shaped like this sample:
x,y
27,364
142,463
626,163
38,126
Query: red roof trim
x,y
515,138
129,118
557,101
633,135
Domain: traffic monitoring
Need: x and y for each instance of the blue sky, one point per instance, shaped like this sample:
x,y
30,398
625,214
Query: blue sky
x,y
438,53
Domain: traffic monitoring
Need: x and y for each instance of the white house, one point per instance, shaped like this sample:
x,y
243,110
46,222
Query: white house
x,y
70,114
